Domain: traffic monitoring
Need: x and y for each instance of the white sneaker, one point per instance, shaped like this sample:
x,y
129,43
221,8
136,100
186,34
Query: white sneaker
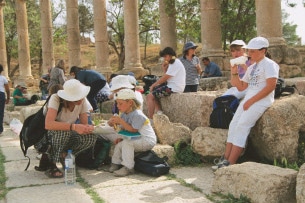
x,y
124,171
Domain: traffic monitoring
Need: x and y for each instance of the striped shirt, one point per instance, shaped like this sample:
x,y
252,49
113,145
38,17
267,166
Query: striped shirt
x,y
190,69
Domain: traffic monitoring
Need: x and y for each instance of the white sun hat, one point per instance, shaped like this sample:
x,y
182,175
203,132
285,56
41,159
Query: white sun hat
x,y
120,81
258,43
238,42
125,94
73,90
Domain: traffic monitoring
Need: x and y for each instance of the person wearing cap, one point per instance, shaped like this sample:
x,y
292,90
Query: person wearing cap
x,y
192,67
211,68
4,88
95,80
237,49
260,79
173,81
131,121
63,132
18,97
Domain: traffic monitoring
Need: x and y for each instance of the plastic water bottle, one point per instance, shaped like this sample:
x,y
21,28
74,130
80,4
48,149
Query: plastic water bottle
x,y
70,168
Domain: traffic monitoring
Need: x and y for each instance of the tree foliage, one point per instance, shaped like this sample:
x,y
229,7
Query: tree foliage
x,y
85,16
238,20
188,20
289,30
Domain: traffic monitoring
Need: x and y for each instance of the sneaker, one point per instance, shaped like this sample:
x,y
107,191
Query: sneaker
x,y
114,167
224,163
219,160
124,171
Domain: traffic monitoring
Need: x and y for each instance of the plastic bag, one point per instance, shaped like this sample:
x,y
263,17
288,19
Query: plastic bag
x,y
16,126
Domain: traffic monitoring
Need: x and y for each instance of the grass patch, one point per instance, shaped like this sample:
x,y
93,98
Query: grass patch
x,y
183,182
228,198
185,156
89,190
3,178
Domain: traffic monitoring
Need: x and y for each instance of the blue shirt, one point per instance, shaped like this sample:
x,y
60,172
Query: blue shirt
x,y
212,70
89,76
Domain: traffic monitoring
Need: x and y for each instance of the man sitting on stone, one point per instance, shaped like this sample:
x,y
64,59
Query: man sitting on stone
x,y
211,68
18,98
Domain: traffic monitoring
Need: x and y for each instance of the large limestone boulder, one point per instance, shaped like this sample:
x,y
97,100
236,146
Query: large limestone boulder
x,y
165,150
299,82
208,141
213,83
290,70
169,133
276,133
260,182
191,109
300,189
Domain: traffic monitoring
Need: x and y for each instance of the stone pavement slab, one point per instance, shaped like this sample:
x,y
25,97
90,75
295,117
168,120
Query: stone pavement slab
x,y
53,193
33,186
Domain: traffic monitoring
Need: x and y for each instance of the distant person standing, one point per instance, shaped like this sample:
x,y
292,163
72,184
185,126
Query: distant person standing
x,y
211,68
4,88
44,83
192,67
95,80
57,74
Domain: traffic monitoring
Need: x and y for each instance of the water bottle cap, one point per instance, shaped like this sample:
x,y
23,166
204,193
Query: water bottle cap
x,y
69,150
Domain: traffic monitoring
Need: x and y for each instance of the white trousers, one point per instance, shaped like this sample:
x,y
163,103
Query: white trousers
x,y
124,151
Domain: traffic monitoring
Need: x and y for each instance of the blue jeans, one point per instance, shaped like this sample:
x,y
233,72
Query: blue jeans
x,y
2,104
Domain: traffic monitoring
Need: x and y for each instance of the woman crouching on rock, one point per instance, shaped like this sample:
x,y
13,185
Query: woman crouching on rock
x,y
63,133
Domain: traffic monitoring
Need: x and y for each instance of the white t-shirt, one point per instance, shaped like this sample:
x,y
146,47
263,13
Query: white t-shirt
x,y
177,81
65,115
256,76
3,81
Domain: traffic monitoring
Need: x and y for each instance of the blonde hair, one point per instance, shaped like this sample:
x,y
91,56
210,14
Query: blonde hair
x,y
60,64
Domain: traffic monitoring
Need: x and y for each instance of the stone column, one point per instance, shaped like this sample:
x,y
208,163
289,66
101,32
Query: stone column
x,y
3,57
168,32
269,21
101,38
132,44
73,33
211,31
46,35
23,41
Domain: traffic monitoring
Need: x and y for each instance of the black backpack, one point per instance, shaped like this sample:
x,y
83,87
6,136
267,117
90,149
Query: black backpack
x,y
281,89
150,163
93,157
33,130
224,108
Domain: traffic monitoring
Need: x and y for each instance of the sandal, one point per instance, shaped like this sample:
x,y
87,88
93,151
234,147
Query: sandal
x,y
54,173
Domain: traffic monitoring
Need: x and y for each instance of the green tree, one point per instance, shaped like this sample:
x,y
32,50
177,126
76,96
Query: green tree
x,y
238,20
289,30
85,16
188,20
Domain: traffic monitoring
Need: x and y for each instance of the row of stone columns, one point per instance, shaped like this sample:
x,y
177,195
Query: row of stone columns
x,y
268,20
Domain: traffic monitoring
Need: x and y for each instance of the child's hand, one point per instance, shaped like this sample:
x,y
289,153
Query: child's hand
x,y
234,69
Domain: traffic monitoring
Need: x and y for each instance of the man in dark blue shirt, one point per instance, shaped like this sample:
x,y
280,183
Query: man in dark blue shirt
x,y
211,68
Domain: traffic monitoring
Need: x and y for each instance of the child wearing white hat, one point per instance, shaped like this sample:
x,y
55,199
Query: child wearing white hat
x,y
260,81
136,132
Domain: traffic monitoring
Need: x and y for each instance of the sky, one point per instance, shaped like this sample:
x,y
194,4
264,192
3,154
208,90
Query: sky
x,y
296,16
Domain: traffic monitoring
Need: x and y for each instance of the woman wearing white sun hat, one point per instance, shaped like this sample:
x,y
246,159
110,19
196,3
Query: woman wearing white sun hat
x,y
260,79
63,133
